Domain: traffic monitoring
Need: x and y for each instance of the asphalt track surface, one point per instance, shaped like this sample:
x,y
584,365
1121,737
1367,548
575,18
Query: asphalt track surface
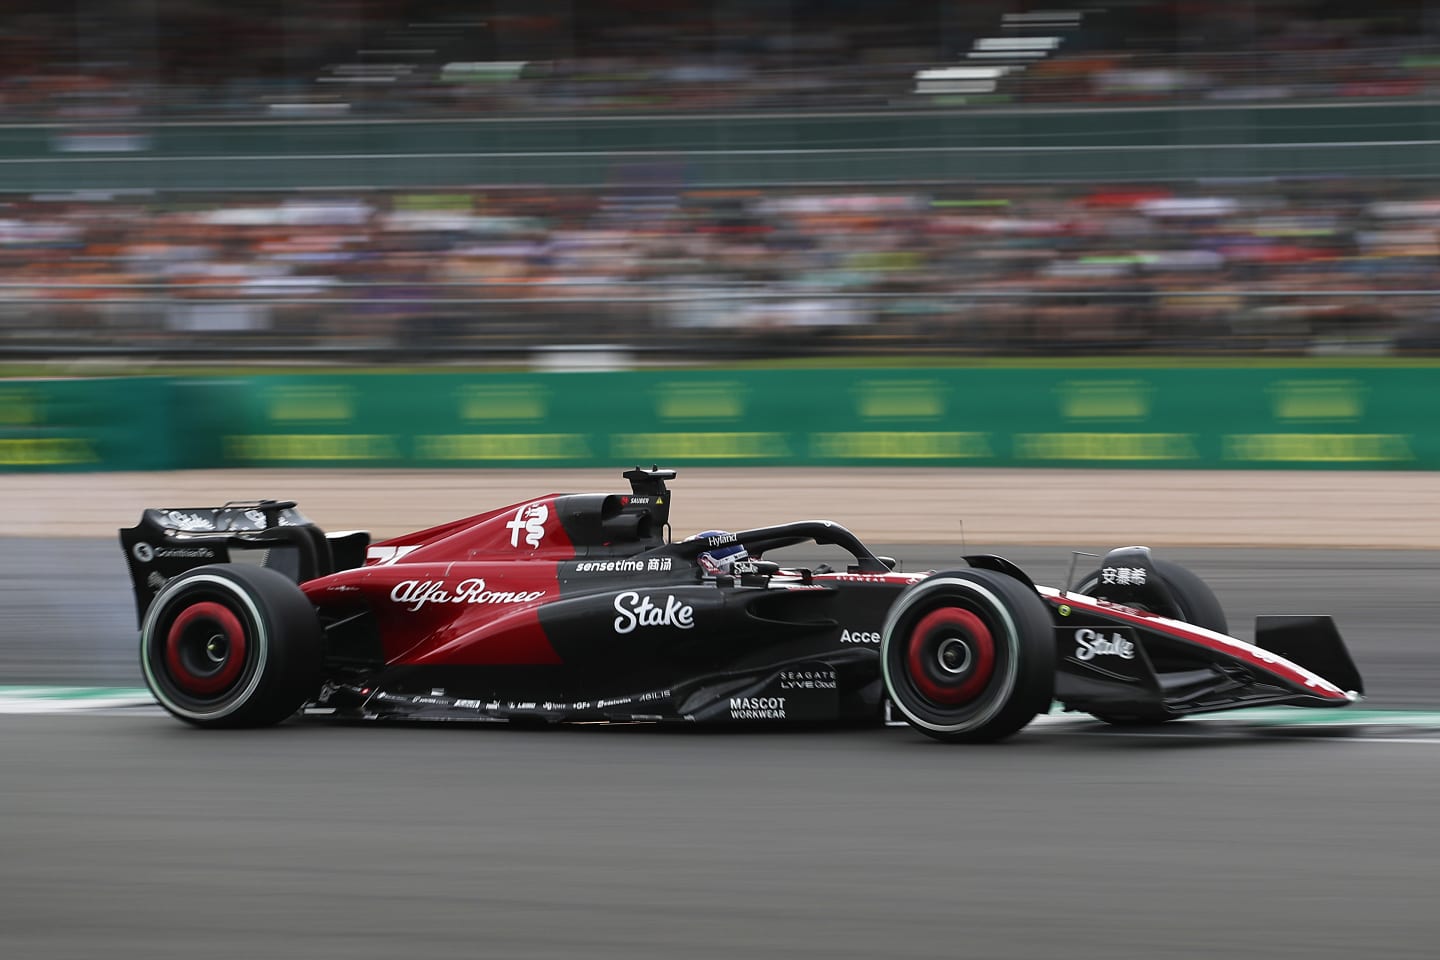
x,y
130,835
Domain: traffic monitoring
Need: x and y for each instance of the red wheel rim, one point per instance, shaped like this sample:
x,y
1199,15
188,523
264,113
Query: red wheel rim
x,y
205,649
936,636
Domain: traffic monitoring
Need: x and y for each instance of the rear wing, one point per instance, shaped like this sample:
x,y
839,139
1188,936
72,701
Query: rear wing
x,y
271,533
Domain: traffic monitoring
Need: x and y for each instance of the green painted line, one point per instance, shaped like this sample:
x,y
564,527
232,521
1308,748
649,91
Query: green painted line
x,y
1303,716
73,693
1287,716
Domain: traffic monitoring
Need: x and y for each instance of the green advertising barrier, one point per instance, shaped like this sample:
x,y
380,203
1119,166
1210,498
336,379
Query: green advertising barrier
x,y
1361,417
87,424
1188,418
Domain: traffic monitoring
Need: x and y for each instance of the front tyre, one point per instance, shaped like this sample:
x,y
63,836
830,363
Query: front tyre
x,y
231,645
968,656
1191,600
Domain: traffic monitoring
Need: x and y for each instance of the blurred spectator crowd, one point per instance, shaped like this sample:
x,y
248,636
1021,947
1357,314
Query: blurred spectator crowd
x,y
124,60
1281,265
1285,266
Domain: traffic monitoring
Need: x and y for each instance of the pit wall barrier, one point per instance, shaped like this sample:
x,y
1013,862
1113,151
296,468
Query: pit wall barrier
x,y
1334,417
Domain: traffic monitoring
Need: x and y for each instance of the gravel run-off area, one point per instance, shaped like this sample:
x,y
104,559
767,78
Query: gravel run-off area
x,y
926,505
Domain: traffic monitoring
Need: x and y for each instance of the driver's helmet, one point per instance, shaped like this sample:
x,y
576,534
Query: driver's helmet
x,y
717,561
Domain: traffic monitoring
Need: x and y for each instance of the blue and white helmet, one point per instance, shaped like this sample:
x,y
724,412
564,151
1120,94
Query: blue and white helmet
x,y
717,561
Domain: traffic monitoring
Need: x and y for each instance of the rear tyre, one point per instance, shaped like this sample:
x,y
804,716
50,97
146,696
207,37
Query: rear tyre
x,y
968,656
1194,602
231,645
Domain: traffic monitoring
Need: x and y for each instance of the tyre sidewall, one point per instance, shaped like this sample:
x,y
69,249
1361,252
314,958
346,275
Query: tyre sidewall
x,y
1022,635
281,634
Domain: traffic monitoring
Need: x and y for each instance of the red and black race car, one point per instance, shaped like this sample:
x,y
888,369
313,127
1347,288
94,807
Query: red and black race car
x,y
583,608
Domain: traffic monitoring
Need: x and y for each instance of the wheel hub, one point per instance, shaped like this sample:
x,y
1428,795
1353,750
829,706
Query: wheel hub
x,y
954,655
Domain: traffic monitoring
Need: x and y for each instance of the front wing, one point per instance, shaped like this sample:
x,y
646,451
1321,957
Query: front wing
x,y
1121,661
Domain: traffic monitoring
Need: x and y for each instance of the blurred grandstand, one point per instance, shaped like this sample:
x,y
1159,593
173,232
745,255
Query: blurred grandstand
x,y
284,58
1273,256
1284,267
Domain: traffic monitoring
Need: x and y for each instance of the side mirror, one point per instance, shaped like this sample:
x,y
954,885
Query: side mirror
x,y
761,569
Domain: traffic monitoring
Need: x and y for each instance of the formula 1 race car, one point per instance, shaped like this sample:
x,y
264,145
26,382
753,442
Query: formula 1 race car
x,y
582,608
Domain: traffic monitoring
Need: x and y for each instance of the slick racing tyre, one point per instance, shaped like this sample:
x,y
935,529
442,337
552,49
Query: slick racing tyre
x,y
1194,602
968,656
231,645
